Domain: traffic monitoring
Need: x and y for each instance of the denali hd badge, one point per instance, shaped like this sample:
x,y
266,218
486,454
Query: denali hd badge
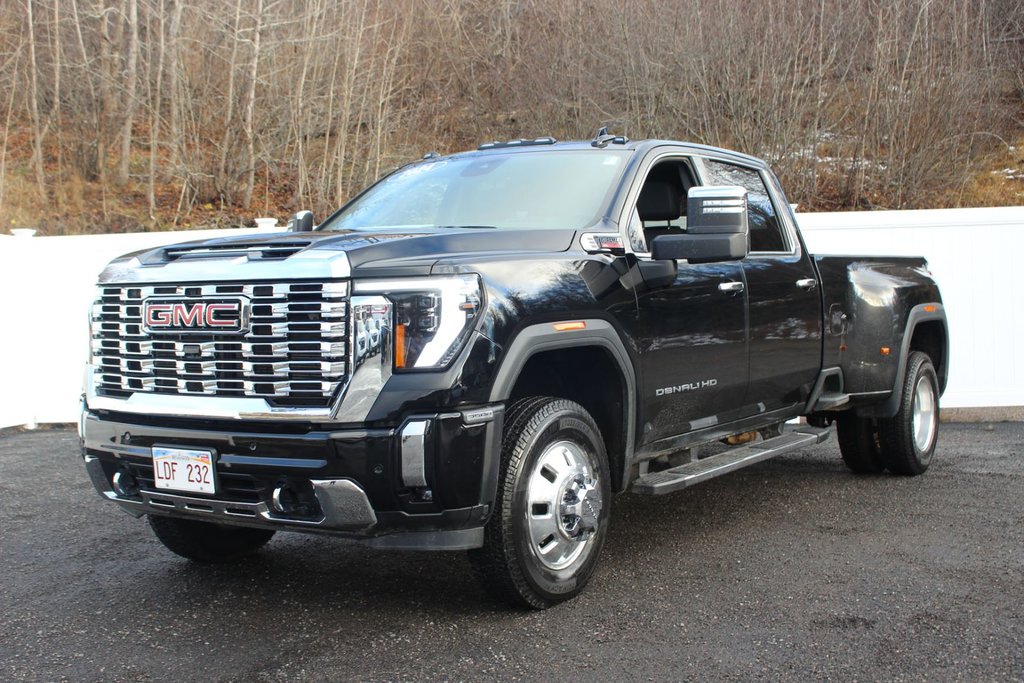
x,y
191,315
689,386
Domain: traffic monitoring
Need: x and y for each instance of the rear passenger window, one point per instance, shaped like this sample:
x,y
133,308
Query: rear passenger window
x,y
765,231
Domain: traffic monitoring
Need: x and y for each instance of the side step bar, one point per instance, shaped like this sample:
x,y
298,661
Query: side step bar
x,y
684,476
831,401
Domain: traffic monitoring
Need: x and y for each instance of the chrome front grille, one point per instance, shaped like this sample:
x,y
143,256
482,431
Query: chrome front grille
x,y
294,353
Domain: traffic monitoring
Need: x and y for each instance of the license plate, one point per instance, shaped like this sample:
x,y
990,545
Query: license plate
x,y
183,469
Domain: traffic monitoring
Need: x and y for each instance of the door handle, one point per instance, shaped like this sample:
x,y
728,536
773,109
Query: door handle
x,y
730,287
808,283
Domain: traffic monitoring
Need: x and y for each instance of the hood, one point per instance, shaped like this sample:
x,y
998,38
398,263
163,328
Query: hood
x,y
324,255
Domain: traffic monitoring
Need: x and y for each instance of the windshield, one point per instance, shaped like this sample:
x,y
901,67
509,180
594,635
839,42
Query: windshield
x,y
521,190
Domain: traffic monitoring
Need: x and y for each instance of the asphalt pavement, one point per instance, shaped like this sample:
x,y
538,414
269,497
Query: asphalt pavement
x,y
790,570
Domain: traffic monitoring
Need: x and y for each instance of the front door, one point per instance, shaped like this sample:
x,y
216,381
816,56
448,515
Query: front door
x,y
693,348
689,322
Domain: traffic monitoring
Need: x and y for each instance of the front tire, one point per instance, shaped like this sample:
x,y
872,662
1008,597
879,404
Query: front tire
x,y
551,512
206,542
908,438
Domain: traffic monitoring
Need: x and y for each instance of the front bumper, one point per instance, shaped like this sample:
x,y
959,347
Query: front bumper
x,y
429,483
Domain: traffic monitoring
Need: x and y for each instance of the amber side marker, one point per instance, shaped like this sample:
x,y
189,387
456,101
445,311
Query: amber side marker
x,y
399,346
565,327
885,350
929,309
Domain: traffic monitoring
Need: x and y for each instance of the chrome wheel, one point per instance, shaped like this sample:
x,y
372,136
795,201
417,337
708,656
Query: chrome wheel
x,y
544,538
907,439
563,505
926,416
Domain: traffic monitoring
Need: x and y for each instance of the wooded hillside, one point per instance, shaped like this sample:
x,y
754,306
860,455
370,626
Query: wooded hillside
x,y
148,114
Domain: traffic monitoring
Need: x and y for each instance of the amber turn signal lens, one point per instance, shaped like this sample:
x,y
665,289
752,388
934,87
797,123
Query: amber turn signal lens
x,y
565,327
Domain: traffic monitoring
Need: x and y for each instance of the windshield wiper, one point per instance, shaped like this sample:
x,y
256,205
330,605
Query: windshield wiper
x,y
469,227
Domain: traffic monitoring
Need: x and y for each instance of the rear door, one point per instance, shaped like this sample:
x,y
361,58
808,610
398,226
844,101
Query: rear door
x,y
782,290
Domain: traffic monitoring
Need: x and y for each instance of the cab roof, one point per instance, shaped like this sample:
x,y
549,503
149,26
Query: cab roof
x,y
618,143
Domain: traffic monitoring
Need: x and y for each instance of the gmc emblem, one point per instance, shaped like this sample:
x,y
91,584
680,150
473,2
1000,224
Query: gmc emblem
x,y
170,315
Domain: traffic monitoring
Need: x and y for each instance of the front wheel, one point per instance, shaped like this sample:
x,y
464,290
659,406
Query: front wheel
x,y
907,439
551,512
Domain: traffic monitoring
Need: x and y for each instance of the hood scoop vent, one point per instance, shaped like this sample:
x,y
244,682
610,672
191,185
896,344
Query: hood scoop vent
x,y
254,251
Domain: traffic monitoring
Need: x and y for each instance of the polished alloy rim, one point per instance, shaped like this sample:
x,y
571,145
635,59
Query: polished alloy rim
x,y
926,414
563,505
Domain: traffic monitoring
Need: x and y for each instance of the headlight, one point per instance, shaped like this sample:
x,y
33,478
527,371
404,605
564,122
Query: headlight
x,y
432,317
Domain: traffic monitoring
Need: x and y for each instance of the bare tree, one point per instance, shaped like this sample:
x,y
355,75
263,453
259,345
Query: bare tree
x,y
250,106
857,103
130,88
37,126
156,101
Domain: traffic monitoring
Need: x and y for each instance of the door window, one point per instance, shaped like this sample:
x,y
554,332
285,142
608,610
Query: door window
x,y
661,206
766,233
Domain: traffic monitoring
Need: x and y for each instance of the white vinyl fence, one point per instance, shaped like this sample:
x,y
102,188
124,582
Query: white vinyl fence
x,y
46,286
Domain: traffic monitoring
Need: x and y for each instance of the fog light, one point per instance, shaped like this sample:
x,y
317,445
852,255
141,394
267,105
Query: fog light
x,y
295,498
125,484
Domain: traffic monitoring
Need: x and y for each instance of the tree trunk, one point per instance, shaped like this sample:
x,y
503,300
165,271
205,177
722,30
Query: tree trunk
x,y
154,118
221,180
174,60
130,95
250,109
37,126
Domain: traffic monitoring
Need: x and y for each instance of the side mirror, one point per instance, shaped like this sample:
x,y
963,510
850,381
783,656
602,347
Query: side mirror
x,y
301,222
716,228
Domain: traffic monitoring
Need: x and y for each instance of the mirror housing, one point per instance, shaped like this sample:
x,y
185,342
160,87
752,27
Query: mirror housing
x,y
699,248
716,227
301,222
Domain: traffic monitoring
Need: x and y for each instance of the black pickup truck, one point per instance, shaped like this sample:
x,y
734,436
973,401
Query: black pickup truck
x,y
478,350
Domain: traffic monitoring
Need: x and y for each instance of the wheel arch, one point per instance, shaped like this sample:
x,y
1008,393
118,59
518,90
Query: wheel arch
x,y
543,360
926,330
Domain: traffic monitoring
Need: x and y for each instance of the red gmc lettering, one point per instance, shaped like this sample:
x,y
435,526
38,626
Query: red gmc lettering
x,y
158,315
187,315
195,315
213,321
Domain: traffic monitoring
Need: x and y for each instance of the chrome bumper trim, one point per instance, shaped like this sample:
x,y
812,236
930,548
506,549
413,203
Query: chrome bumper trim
x,y
413,448
210,407
344,504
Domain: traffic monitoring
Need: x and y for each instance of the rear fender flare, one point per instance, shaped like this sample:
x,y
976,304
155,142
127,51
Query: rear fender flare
x,y
918,314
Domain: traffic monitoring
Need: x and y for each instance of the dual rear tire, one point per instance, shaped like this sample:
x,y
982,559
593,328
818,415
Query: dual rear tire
x,y
904,443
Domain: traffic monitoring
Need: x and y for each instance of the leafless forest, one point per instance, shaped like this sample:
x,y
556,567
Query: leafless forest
x,y
148,114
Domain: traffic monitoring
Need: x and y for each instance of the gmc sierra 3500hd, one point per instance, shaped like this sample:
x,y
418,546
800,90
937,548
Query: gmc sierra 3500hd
x,y
478,350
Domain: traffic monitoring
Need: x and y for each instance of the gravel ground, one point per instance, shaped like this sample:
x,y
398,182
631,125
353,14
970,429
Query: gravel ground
x,y
793,569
